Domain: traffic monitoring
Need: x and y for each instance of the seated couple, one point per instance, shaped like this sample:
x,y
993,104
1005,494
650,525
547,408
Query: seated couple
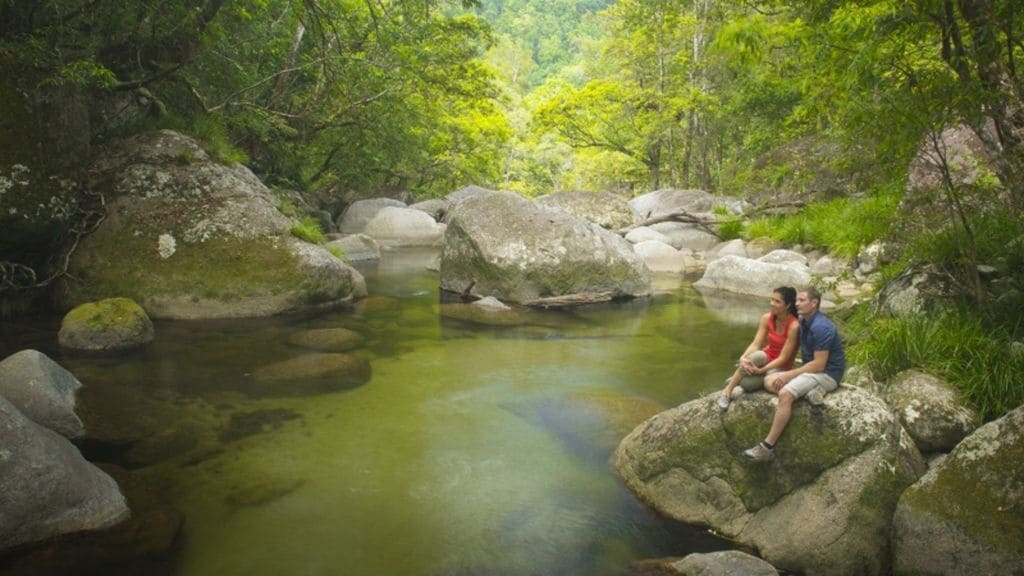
x,y
768,360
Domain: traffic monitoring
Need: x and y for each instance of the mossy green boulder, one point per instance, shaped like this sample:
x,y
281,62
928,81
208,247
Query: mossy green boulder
x,y
108,325
822,506
187,237
966,515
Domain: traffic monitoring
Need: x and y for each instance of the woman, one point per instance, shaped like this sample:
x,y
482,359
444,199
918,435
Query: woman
x,y
774,346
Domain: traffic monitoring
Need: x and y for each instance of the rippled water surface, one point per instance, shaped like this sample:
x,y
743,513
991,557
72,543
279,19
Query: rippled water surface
x,y
473,449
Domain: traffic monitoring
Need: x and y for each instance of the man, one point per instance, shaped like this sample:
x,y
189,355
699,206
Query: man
x,y
823,366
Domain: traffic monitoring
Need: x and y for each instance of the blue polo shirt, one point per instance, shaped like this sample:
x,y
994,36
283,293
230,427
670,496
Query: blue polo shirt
x,y
820,333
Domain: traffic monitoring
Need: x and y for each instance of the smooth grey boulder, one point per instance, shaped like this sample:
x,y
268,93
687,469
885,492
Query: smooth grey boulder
x,y
46,487
500,244
684,236
42,390
645,234
357,247
930,410
746,276
108,325
661,257
735,247
606,209
353,220
966,515
393,226
435,207
725,563
670,201
822,506
781,256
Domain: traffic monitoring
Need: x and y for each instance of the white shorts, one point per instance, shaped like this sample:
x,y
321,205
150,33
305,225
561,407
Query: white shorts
x,y
804,383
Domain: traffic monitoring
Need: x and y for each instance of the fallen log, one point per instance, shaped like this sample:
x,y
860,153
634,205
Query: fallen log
x,y
570,300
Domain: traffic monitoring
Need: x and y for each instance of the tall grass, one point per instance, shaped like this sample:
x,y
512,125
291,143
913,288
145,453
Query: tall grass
x,y
308,229
955,345
841,226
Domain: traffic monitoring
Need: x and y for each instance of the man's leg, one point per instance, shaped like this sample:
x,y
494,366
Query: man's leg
x,y
782,414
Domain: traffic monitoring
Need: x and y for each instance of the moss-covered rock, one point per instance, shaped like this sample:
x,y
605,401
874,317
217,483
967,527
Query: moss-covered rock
x,y
104,326
822,506
187,237
931,410
505,246
966,515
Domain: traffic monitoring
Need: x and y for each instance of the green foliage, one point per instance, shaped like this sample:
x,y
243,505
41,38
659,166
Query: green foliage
x,y
955,345
338,252
216,140
286,207
308,229
841,226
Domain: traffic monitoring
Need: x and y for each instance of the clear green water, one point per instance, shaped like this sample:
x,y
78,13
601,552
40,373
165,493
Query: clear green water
x,y
472,450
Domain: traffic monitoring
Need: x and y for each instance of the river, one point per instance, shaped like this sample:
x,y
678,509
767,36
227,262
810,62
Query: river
x,y
473,449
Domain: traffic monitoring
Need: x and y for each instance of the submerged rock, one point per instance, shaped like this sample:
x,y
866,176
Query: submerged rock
x,y
822,506
311,373
108,325
328,339
41,390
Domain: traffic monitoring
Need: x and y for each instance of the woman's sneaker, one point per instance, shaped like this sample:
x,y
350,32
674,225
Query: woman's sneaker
x,y
760,453
723,401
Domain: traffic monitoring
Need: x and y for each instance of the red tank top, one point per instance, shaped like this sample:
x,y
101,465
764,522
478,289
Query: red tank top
x,y
776,340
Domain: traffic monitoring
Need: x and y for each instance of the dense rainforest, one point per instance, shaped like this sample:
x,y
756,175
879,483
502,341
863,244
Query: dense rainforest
x,y
822,106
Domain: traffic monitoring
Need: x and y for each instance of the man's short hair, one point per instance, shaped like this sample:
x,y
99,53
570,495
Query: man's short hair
x,y
812,293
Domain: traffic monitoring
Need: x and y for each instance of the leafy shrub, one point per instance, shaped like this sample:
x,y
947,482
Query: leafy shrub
x,y
308,229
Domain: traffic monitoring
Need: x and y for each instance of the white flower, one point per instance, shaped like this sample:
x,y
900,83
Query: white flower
x,y
166,245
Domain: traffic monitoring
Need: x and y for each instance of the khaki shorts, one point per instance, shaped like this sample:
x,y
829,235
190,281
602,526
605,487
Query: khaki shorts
x,y
752,382
804,383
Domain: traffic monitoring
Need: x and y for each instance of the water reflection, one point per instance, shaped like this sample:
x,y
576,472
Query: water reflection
x,y
472,448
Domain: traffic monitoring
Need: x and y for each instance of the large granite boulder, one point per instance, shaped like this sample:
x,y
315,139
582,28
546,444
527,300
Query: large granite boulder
x,y
917,290
746,276
686,236
667,202
353,220
661,257
605,209
356,247
393,226
500,244
822,506
42,390
46,487
965,515
109,325
930,410
187,237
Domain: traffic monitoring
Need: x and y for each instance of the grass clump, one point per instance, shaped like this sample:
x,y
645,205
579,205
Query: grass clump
x,y
957,345
841,226
338,253
730,226
308,229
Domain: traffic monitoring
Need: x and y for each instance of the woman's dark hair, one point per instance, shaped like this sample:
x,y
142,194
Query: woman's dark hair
x,y
788,294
